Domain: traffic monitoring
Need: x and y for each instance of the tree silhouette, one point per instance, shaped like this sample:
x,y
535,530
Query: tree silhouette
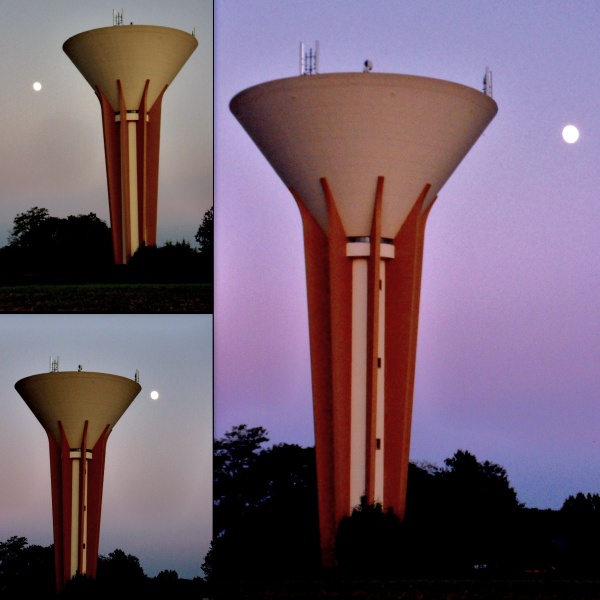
x,y
40,243
265,508
26,225
580,520
28,571
477,515
234,485
205,234
463,520
25,569
370,542
205,238
79,247
177,261
119,566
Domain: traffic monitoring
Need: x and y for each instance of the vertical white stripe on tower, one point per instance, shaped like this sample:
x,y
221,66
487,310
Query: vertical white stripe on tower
x,y
358,418
133,182
75,458
84,533
380,417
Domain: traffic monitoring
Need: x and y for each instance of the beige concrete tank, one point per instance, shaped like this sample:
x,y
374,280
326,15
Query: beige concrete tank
x,y
352,128
131,54
74,397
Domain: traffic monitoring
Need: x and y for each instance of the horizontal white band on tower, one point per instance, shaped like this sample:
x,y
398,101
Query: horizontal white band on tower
x,y
354,249
131,116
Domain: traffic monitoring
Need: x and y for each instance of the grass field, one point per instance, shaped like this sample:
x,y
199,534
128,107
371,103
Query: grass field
x,y
108,298
416,590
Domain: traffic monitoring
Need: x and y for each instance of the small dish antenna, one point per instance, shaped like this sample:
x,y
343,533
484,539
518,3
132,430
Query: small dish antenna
x,y
368,66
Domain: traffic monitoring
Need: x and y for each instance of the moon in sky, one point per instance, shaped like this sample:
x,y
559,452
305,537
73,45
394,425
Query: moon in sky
x,y
570,134
154,395
37,86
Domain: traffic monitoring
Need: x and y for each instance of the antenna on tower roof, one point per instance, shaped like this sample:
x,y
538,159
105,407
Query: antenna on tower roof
x,y
54,365
137,376
309,61
117,17
487,82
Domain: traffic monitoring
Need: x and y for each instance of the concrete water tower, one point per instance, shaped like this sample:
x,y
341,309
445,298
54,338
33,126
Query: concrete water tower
x,y
130,67
78,410
364,155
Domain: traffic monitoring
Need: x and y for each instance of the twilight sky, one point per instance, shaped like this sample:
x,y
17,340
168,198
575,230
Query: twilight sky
x,y
157,501
509,331
53,151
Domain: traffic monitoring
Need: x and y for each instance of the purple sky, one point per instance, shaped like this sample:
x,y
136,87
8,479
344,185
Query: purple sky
x,y
157,501
55,158
509,333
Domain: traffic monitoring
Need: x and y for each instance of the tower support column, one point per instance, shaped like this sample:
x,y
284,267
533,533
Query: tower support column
x,y
131,148
363,312
77,474
403,291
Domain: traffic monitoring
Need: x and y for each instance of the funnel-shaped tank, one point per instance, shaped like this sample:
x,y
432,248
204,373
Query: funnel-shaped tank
x,y
352,128
131,54
74,397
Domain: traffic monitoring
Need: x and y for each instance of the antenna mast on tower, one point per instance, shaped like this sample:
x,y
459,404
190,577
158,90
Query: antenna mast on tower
x,y
117,17
309,61
487,82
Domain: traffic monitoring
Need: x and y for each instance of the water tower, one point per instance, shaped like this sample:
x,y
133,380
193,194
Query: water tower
x,y
78,410
364,155
130,67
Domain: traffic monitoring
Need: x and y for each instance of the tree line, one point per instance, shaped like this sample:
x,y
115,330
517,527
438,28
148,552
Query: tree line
x,y
463,519
28,571
42,247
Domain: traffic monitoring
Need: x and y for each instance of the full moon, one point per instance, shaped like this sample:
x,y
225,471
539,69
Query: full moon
x,y
37,86
154,395
570,134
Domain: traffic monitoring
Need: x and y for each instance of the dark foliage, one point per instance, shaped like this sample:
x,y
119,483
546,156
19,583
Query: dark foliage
x,y
205,234
169,263
463,521
178,261
460,517
265,509
580,529
26,225
43,245
46,249
370,542
121,567
28,571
